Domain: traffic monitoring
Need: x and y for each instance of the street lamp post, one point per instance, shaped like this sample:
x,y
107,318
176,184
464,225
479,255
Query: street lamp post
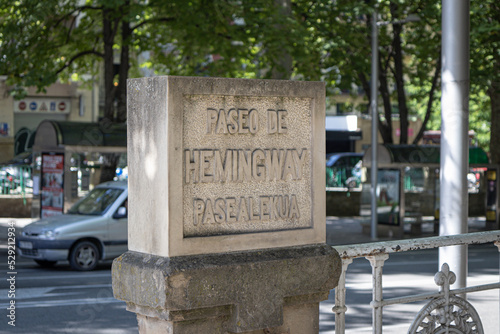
x,y
374,113
373,106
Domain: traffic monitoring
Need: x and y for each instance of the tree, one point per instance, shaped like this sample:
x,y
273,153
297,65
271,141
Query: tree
x,y
410,62
46,41
42,42
335,47
409,56
485,67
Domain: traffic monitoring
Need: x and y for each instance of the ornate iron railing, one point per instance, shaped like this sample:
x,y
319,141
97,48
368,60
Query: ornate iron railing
x,y
446,312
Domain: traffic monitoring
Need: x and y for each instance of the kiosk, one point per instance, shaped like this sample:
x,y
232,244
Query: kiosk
x,y
408,187
67,161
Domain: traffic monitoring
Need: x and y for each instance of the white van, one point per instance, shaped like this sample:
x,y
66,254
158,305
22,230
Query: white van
x,y
95,228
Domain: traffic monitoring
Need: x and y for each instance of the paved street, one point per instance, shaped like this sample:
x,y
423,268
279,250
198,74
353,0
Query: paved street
x,y
59,300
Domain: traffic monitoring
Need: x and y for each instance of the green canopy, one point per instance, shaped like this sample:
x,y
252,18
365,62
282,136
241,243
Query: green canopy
x,y
56,134
429,154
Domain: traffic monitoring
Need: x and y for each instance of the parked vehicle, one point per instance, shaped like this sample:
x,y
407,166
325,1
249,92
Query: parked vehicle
x,y
343,169
94,229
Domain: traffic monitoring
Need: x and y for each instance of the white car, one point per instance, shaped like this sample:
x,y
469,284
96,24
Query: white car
x,y
94,229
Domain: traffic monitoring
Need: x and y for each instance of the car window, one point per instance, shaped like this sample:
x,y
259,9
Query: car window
x,y
97,202
354,161
340,162
125,205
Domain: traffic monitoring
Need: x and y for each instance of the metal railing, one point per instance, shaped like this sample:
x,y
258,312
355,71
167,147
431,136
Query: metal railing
x,y
444,304
16,180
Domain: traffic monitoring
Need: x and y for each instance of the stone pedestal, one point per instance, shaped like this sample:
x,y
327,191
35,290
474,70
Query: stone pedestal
x,y
227,206
266,291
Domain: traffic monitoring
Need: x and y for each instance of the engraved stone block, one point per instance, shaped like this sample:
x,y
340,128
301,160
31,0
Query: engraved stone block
x,y
218,165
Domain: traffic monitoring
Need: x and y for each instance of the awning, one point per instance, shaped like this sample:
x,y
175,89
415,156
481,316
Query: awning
x,y
392,154
52,134
338,135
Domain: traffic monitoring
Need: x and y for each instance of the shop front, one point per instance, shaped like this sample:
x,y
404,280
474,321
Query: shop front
x,y
68,160
408,187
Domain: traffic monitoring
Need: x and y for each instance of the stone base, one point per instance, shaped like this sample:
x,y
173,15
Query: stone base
x,y
297,319
268,291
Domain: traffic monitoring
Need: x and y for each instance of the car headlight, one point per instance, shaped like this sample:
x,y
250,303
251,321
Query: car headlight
x,y
48,234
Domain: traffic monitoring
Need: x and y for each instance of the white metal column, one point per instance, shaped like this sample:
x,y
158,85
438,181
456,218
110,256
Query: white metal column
x,y
453,210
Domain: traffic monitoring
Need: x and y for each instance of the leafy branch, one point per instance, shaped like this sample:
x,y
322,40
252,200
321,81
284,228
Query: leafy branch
x,y
78,55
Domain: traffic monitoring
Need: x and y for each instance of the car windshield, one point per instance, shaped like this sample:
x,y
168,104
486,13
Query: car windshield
x,y
96,202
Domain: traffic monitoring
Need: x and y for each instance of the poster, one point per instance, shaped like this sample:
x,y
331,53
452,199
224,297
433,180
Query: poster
x,y
52,185
388,196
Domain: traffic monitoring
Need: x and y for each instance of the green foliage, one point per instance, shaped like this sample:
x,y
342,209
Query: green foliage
x,y
485,43
42,41
479,118
25,36
45,41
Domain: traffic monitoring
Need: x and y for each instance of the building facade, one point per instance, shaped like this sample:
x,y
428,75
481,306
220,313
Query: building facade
x,y
19,119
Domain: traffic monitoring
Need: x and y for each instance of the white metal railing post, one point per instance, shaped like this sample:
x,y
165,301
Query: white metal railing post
x,y
340,308
377,263
455,82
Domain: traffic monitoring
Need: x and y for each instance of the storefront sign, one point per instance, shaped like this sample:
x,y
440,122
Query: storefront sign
x,y
43,105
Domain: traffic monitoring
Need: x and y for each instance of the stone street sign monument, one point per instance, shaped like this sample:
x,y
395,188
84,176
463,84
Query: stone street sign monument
x,y
226,173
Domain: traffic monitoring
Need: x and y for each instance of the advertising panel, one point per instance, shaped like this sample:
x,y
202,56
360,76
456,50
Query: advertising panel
x,y
388,196
52,184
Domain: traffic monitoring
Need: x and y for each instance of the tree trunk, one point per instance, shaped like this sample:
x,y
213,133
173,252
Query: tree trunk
x,y
124,68
110,24
398,76
385,127
428,112
365,84
494,93
109,38
282,67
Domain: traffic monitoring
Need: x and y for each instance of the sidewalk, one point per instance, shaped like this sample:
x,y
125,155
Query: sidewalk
x,y
339,230
349,230
400,280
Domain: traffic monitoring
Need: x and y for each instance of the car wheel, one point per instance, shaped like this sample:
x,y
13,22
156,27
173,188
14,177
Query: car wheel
x,y
45,263
351,182
84,256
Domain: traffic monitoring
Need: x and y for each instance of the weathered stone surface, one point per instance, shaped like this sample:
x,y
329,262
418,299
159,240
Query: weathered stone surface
x,y
222,165
226,207
236,292
278,153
